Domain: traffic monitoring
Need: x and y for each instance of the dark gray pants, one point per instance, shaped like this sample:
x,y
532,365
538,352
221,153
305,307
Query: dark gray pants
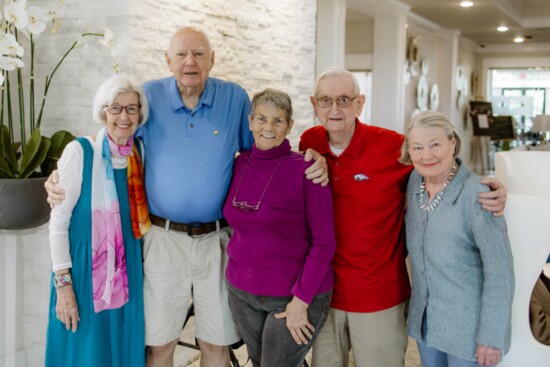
x,y
267,339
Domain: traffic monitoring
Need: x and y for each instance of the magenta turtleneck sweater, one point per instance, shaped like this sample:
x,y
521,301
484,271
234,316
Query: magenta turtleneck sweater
x,y
285,247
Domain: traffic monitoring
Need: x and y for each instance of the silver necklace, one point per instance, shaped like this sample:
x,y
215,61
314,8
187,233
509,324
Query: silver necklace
x,y
439,197
245,205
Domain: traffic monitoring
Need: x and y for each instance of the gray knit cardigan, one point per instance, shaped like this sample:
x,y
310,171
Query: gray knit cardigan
x,y
462,269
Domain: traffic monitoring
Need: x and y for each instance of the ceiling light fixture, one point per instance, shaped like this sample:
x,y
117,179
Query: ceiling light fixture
x,y
502,28
518,39
466,4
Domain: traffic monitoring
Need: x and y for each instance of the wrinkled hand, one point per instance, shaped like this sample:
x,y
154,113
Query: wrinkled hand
x,y
487,356
318,172
56,195
66,308
494,200
297,322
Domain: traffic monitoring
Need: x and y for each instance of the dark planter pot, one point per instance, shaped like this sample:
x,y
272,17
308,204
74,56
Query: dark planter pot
x,y
23,203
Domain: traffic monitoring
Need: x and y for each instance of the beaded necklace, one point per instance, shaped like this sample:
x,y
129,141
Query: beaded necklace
x,y
431,206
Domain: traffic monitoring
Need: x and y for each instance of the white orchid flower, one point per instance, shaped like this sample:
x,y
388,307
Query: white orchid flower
x,y
108,39
35,16
54,10
10,63
15,13
9,45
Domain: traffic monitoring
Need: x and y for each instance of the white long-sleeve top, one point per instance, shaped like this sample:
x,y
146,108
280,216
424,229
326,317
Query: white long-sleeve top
x,y
70,179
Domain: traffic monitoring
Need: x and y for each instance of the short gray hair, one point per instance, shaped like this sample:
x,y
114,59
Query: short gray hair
x,y
110,89
431,119
338,71
275,97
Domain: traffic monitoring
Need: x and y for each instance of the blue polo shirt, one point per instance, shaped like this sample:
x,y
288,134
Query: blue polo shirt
x,y
189,154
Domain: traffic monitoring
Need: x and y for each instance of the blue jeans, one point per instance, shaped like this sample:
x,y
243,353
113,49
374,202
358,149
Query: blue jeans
x,y
267,339
432,357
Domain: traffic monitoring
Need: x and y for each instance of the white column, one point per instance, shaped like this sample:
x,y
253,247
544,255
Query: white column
x,y
448,93
11,299
388,99
331,34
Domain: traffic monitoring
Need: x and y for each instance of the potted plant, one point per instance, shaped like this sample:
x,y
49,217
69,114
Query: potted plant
x,y
26,156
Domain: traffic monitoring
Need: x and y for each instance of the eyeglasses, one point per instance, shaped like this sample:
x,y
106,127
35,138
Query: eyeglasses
x,y
115,109
342,101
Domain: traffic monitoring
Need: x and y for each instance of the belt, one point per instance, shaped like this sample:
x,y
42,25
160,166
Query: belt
x,y
194,229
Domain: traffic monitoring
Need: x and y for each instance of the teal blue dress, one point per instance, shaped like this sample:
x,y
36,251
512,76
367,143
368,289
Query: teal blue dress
x,y
110,338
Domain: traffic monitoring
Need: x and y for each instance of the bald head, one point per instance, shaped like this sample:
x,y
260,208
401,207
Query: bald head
x,y
190,59
185,31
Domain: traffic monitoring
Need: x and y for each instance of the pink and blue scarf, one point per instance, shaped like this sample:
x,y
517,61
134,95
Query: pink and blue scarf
x,y
109,277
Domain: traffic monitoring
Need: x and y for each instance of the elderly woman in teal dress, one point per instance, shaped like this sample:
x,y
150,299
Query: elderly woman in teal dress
x,y
461,262
96,301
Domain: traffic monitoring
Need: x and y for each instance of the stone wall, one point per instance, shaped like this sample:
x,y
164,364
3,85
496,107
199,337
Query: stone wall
x,y
258,44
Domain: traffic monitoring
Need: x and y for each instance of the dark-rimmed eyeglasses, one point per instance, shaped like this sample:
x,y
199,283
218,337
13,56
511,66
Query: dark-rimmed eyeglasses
x,y
342,101
115,109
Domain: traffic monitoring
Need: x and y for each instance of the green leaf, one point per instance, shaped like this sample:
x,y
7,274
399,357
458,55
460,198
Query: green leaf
x,y
8,152
37,159
5,169
59,141
33,146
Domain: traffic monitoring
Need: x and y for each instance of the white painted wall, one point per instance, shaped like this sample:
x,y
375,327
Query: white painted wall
x,y
359,36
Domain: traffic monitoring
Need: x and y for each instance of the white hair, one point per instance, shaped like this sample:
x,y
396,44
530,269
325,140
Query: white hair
x,y
338,71
110,89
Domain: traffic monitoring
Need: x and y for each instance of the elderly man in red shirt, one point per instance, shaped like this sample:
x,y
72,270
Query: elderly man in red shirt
x,y
367,313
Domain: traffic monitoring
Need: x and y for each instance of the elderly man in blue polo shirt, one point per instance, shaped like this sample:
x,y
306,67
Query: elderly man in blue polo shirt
x,y
196,126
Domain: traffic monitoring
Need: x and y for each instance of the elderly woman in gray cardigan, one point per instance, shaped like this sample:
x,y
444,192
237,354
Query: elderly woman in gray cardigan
x,y
461,263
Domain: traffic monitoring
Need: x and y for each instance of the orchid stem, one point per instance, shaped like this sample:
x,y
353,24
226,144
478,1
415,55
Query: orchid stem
x,y
50,77
8,100
31,88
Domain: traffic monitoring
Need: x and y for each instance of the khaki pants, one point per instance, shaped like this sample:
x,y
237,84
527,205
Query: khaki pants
x,y
376,339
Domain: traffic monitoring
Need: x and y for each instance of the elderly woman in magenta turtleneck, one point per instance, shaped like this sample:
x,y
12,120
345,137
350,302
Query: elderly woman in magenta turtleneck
x,y
96,301
279,271
461,262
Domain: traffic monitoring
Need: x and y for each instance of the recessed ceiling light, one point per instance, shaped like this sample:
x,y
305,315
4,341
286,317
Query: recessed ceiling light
x,y
502,28
466,4
518,39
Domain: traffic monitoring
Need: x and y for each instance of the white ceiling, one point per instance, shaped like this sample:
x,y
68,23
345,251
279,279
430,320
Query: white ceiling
x,y
528,18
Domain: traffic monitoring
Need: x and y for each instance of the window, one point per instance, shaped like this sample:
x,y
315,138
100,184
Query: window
x,y
521,93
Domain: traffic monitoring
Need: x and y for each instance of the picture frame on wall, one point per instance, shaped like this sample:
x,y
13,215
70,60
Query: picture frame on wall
x,y
481,113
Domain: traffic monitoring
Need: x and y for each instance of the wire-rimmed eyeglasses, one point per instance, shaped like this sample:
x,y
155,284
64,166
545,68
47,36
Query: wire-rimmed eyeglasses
x,y
342,101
